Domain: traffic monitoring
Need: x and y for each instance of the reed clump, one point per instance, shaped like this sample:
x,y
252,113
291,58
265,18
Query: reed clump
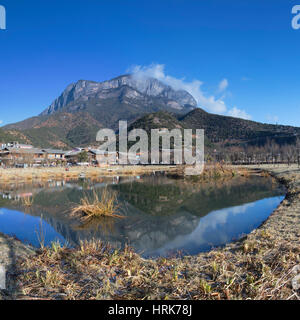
x,y
96,207
27,201
214,172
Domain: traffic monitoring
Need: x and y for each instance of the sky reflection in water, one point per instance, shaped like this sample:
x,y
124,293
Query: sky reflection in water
x,y
162,215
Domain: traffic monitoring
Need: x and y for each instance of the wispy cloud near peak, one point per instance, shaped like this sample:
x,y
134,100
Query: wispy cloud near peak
x,y
238,113
210,103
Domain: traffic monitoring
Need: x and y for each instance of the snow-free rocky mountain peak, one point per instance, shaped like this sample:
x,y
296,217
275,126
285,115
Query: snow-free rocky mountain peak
x,y
128,89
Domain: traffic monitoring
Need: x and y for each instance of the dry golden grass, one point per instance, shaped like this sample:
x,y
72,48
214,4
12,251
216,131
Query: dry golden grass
x,y
260,270
215,171
95,207
27,201
29,174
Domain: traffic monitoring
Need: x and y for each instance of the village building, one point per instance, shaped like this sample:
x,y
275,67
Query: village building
x,y
17,145
54,155
96,157
21,156
75,156
24,146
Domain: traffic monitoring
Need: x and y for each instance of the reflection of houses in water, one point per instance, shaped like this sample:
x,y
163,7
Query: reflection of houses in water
x,y
56,184
15,197
20,155
18,190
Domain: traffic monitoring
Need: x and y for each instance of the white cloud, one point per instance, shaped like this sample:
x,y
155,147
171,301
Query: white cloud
x,y
238,113
223,85
1,121
208,102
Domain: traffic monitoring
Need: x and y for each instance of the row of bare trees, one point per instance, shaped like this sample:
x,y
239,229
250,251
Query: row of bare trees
x,y
271,153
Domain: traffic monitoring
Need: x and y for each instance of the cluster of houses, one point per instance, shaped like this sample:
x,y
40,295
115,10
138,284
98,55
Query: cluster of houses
x,y
20,155
15,154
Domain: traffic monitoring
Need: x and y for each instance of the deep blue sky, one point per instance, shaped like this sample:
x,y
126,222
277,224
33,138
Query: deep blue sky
x,y
49,44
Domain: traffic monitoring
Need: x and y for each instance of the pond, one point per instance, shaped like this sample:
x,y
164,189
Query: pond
x,y
162,216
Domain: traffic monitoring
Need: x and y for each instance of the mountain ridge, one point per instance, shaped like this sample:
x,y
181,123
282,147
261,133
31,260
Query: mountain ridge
x,y
128,87
84,107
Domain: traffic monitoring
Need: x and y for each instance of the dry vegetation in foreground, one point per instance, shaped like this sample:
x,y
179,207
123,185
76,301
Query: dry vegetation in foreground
x,y
93,207
252,270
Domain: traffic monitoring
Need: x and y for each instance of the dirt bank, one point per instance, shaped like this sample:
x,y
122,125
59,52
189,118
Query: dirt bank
x,y
11,250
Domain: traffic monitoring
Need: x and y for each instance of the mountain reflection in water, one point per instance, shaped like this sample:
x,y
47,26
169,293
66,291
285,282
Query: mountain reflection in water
x,y
163,215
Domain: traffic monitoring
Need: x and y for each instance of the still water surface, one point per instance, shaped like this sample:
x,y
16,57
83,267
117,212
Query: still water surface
x,y
162,215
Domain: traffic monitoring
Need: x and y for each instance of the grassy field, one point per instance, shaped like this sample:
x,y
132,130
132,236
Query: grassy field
x,y
77,172
211,171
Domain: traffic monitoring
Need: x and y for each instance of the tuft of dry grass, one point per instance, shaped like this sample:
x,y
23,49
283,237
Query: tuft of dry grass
x,y
27,201
95,207
213,172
